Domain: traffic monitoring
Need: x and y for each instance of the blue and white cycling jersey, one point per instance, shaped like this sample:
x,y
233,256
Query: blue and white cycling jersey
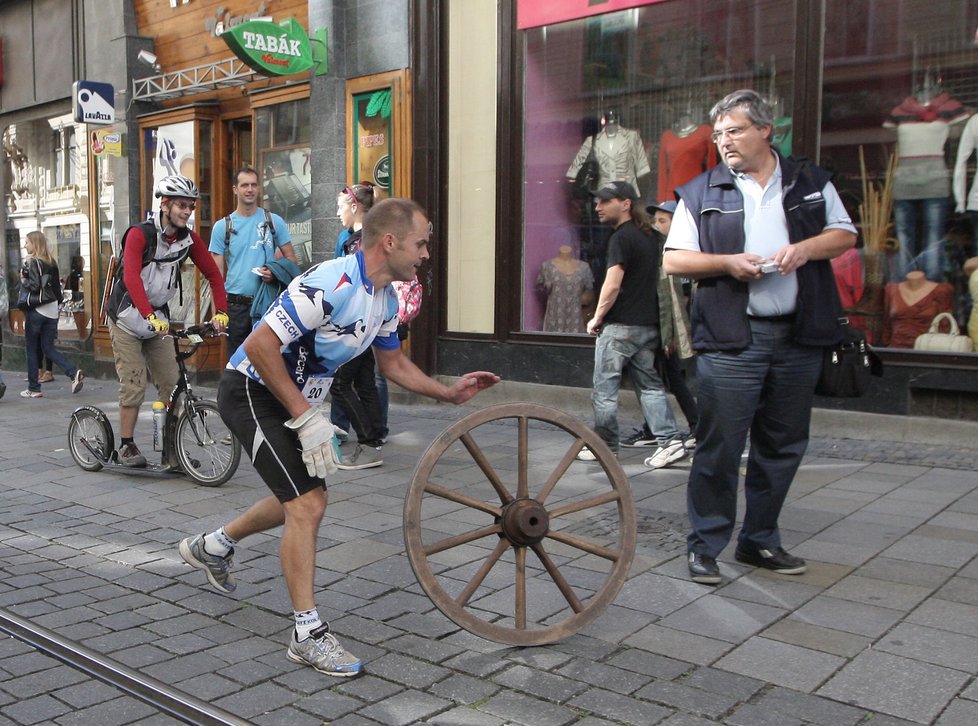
x,y
325,317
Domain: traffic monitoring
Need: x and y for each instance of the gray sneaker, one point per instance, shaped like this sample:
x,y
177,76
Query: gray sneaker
x,y
363,457
130,455
322,651
217,569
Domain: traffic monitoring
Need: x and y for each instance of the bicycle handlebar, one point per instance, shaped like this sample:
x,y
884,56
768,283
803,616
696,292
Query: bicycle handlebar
x,y
205,330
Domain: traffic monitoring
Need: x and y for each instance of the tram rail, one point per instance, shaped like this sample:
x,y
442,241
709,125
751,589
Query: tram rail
x,y
166,699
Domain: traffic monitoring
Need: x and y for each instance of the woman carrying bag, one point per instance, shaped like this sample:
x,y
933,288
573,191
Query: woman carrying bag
x,y
40,296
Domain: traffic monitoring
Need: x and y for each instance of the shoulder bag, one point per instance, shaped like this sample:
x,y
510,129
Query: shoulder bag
x,y
847,365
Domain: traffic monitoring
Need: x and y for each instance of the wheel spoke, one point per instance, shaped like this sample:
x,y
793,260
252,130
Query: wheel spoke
x,y
491,560
520,604
583,544
483,462
610,496
523,439
561,469
558,579
468,501
461,539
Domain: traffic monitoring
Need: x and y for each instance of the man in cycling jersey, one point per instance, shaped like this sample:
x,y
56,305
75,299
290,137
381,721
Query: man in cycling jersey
x,y
271,395
152,256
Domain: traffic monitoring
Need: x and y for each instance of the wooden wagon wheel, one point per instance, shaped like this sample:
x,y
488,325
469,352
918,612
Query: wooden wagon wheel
x,y
498,493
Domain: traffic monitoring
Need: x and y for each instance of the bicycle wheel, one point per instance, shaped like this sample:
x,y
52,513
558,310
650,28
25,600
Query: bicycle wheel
x,y
90,438
205,448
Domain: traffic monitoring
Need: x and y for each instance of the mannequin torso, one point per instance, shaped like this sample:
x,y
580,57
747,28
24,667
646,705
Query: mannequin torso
x,y
565,263
915,288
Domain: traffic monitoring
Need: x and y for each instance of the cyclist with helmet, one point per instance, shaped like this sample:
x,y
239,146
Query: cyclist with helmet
x,y
152,256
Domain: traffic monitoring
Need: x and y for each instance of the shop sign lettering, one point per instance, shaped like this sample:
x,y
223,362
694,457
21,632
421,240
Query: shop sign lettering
x,y
369,140
270,49
223,20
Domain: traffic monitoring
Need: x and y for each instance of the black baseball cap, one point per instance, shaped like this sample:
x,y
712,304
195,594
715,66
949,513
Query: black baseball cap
x,y
668,206
616,190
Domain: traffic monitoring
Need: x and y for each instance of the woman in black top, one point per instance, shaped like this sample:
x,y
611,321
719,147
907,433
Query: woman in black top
x,y
41,291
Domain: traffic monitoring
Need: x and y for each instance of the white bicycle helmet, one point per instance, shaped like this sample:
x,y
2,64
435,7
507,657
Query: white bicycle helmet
x,y
176,185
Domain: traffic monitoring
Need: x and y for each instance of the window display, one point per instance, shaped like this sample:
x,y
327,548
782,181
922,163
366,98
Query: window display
x,y
45,177
631,88
282,136
898,91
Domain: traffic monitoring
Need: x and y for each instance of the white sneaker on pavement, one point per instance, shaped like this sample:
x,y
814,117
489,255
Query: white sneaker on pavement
x,y
667,454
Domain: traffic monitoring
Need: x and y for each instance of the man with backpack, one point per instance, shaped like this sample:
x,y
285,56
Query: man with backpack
x,y
148,278
245,241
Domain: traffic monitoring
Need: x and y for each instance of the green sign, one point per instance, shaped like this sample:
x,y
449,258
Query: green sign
x,y
281,49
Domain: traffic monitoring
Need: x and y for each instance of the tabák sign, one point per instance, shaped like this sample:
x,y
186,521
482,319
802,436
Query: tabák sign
x,y
277,49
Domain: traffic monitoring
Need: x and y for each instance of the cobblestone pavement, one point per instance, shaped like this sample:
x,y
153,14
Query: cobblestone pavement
x,y
882,629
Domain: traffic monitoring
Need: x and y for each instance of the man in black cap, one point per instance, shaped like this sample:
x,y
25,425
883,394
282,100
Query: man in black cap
x,y
626,322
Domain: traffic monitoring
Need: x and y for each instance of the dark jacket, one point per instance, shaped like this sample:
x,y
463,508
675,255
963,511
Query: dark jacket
x,y
719,316
42,284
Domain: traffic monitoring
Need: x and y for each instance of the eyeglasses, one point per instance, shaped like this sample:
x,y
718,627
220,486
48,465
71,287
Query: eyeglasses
x,y
185,205
733,133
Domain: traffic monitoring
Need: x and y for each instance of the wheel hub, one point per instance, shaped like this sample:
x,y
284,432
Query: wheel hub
x,y
525,522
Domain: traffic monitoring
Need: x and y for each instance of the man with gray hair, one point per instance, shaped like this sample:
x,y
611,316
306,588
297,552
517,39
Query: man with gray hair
x,y
757,232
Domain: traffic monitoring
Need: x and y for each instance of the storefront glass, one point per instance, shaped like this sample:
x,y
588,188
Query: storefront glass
x,y
282,142
636,83
45,189
900,83
183,148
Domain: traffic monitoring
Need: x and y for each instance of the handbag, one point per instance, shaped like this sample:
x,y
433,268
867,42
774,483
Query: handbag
x,y
950,342
586,181
847,365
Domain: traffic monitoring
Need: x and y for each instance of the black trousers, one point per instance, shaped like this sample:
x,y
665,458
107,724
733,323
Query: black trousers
x,y
355,389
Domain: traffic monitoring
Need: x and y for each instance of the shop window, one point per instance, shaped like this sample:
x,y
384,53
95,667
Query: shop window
x,y
637,84
899,90
282,141
185,148
45,164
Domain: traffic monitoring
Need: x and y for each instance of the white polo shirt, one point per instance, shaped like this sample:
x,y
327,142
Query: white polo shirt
x,y
765,232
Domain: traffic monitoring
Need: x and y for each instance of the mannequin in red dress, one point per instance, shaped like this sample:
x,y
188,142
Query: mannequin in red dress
x,y
911,306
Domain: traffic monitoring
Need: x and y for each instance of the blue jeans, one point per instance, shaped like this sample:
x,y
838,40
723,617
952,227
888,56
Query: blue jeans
x,y
39,336
633,346
933,215
767,389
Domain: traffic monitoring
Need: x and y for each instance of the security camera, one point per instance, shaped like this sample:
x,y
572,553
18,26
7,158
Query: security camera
x,y
145,56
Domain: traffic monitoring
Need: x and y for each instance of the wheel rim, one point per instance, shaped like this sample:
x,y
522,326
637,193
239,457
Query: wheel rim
x,y
492,510
207,451
89,441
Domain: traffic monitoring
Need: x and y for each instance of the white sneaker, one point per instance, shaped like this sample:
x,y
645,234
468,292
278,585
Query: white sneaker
x,y
665,455
586,454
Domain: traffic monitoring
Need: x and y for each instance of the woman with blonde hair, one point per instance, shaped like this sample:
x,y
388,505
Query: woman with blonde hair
x,y
40,296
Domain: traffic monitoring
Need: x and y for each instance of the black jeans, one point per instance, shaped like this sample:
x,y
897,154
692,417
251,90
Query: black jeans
x,y
239,326
355,389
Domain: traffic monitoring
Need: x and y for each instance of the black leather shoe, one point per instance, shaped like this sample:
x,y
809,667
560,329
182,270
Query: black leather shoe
x,y
703,569
777,560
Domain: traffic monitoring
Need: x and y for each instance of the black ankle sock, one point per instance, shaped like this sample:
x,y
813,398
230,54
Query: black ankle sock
x,y
126,441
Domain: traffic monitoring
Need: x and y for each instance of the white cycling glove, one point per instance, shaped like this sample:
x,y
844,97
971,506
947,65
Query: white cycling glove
x,y
320,450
